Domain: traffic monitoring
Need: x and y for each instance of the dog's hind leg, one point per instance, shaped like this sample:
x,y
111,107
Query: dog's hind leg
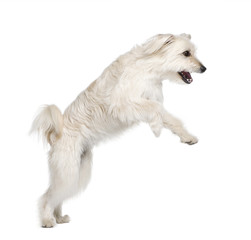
x,y
49,214
85,169
46,211
51,203
58,215
64,165
83,180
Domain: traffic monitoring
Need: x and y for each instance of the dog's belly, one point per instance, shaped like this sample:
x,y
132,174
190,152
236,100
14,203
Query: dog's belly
x,y
102,129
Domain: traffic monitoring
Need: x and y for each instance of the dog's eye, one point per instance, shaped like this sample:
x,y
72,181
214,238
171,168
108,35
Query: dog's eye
x,y
187,54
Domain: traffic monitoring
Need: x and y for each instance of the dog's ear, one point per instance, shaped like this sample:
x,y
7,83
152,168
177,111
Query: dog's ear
x,y
188,36
156,43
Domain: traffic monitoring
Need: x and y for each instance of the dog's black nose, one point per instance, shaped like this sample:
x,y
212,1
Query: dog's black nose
x,y
203,69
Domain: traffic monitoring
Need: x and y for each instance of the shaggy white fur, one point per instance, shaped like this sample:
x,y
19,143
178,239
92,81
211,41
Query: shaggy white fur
x,y
128,92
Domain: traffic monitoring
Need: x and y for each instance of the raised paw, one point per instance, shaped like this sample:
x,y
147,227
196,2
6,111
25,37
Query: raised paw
x,y
48,222
63,219
156,128
190,140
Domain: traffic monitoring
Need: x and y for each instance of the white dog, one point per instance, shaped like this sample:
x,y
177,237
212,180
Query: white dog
x,y
128,92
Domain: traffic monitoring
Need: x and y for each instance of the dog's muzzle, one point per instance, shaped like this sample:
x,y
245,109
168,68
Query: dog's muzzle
x,y
186,76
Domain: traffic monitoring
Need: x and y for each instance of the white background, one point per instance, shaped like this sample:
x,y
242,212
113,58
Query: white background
x,y
142,187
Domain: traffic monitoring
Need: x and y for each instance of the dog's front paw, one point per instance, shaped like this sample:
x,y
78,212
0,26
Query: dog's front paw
x,y
190,140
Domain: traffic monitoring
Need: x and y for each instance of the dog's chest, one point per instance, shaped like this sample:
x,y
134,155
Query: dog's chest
x,y
153,91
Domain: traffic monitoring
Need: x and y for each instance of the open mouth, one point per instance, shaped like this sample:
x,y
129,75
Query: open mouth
x,y
186,77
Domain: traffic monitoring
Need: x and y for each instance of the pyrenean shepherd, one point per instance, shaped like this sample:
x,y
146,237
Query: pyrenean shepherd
x,y
128,92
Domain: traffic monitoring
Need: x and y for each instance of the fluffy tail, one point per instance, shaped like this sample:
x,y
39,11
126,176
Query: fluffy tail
x,y
48,124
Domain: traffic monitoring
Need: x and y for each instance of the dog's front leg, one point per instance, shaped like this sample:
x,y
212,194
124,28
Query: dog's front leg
x,y
153,113
157,117
140,110
177,128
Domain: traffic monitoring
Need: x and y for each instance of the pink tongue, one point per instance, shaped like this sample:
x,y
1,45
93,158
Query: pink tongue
x,y
187,75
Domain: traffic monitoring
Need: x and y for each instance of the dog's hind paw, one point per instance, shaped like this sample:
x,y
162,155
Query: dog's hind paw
x,y
48,222
189,140
63,219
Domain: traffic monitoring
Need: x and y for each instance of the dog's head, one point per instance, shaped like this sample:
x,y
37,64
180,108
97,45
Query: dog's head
x,y
172,56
